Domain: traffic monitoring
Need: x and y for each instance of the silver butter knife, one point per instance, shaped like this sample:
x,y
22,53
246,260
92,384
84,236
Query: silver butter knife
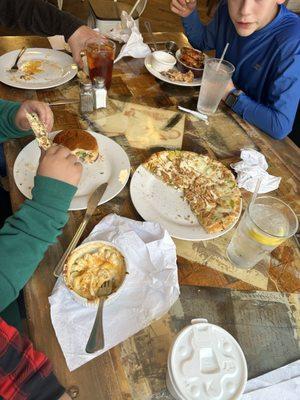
x,y
91,207
63,102
172,122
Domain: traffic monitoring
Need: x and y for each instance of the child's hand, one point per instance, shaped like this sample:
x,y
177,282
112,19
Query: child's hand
x,y
41,109
59,163
183,7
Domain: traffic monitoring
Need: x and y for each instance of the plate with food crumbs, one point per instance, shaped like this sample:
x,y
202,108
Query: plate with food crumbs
x,y
111,164
172,76
37,69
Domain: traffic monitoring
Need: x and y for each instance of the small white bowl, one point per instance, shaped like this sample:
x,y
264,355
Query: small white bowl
x,y
82,300
162,61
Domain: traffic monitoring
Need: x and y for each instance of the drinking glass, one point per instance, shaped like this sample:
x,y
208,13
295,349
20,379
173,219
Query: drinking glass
x,y
266,224
216,76
100,55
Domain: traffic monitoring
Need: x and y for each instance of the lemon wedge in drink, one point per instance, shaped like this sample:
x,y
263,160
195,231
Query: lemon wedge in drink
x,y
265,239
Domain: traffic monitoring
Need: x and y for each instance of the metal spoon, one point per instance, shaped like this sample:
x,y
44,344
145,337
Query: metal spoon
x,y
149,29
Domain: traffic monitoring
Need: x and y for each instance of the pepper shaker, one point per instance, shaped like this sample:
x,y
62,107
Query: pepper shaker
x,y
86,97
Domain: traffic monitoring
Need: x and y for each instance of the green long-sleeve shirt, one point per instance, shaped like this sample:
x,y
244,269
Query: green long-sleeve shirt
x,y
27,234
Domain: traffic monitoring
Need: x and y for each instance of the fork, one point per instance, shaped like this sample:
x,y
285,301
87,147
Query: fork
x,y
15,67
96,339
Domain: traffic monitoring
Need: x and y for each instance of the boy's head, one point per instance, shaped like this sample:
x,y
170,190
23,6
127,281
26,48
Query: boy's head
x,y
249,16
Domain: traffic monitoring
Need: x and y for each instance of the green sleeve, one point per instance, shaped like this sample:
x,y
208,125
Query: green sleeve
x,y
28,233
8,129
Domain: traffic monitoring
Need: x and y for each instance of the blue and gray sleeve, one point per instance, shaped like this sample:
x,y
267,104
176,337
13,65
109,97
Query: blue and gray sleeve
x,y
276,118
201,37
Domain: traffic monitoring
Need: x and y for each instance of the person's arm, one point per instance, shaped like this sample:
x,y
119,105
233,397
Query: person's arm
x,y
38,17
201,37
8,128
27,234
277,117
13,120
24,371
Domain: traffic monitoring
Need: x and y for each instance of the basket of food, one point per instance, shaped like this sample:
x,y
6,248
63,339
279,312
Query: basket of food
x,y
189,59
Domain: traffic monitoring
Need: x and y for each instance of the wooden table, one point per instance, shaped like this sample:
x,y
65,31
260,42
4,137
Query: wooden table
x,y
260,307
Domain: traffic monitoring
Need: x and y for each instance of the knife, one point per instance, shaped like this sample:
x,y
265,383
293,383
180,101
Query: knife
x,y
63,102
172,122
91,207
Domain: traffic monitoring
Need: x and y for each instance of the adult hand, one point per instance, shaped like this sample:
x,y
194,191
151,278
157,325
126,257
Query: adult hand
x,y
77,42
183,7
59,163
42,109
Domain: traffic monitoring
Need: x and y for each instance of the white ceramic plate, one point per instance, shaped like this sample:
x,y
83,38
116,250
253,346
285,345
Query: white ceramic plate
x,y
55,68
148,65
155,201
107,168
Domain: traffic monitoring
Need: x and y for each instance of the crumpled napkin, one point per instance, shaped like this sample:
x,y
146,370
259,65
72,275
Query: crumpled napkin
x,y
282,383
127,31
150,289
253,167
122,31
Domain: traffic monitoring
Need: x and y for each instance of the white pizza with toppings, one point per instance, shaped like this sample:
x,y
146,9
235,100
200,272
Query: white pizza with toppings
x,y
208,186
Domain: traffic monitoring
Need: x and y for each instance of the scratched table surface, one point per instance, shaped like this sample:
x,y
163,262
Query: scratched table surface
x,y
259,307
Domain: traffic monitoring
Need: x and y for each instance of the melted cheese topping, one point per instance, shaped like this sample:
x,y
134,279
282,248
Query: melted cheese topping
x,y
90,270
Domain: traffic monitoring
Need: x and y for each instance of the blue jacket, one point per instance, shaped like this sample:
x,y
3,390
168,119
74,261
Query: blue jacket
x,y
267,65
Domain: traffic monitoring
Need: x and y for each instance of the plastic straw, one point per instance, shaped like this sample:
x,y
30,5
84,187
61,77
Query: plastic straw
x,y
255,193
134,7
222,56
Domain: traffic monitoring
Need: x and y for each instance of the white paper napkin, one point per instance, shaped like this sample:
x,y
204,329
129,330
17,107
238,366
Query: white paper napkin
x,y
253,167
127,31
150,289
58,42
282,383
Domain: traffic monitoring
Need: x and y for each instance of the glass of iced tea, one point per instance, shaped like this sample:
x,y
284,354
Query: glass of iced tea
x,y
100,55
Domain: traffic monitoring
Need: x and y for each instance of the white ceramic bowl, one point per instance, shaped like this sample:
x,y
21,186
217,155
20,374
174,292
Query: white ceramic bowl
x,y
82,300
162,61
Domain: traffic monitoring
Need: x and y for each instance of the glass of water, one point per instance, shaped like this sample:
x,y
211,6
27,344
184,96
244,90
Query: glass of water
x,y
266,224
215,79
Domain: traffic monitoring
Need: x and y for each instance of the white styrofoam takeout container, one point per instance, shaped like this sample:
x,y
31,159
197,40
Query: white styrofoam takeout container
x,y
206,363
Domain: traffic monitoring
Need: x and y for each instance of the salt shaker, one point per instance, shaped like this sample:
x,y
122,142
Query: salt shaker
x,y
100,93
86,97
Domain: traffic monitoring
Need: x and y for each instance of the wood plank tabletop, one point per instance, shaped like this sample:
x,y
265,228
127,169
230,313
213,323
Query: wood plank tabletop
x,y
135,369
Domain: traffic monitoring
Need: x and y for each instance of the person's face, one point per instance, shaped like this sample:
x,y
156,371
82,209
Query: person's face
x,y
249,16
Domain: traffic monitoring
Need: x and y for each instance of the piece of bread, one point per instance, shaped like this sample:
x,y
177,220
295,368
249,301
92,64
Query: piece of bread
x,y
81,143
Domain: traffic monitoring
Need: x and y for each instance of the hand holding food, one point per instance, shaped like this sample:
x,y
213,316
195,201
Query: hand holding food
x,y
31,106
59,163
183,8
